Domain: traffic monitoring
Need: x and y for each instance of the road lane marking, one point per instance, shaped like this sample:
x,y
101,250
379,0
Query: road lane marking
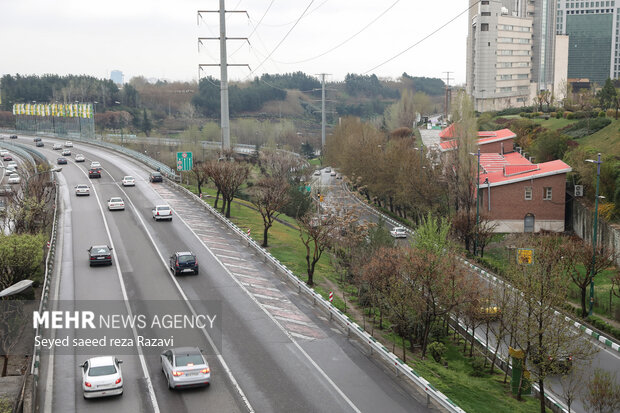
x,y
278,324
149,383
234,382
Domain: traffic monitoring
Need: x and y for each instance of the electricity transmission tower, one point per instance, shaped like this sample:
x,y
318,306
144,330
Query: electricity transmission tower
x,y
224,115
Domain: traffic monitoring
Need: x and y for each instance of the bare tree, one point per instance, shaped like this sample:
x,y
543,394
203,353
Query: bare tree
x,y
602,392
269,195
228,176
12,323
200,171
572,384
583,254
316,233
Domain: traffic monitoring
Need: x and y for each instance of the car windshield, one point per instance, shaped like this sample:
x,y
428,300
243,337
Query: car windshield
x,y
188,360
185,259
163,208
129,178
101,371
100,250
156,174
82,187
116,200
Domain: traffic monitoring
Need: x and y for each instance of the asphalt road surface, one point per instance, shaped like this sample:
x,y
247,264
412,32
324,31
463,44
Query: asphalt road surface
x,y
270,350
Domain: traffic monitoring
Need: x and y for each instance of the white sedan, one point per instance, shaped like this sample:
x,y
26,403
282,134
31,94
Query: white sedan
x,y
399,232
57,147
116,203
14,179
10,171
129,181
102,376
82,190
162,212
68,144
79,158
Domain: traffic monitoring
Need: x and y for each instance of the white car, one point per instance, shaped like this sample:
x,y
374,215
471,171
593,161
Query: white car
x,y
102,376
328,170
66,152
317,173
10,171
79,158
57,147
12,164
129,181
68,144
82,190
116,203
185,367
95,164
162,212
14,179
3,152
399,232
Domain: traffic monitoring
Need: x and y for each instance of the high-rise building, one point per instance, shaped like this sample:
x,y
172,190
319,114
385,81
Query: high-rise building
x,y
592,28
117,77
510,51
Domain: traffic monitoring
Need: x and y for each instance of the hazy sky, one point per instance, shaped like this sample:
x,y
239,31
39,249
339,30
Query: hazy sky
x,y
159,38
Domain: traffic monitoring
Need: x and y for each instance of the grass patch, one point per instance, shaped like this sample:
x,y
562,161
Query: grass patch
x,y
472,394
607,140
553,123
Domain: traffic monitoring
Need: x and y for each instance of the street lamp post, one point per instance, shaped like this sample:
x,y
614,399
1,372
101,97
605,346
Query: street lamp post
x,y
477,203
594,235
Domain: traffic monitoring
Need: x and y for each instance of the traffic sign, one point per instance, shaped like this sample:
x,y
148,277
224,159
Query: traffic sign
x,y
184,161
524,256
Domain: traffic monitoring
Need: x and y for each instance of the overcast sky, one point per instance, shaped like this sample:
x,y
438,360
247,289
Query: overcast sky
x,y
158,38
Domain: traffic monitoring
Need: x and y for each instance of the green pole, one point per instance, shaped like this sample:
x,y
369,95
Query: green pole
x,y
594,235
477,205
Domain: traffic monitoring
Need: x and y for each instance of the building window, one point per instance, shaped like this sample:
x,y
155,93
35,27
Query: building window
x,y
528,193
485,2
485,13
547,193
484,27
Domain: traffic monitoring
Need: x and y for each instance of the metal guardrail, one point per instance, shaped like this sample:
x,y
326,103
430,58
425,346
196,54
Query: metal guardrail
x,y
49,266
352,328
18,150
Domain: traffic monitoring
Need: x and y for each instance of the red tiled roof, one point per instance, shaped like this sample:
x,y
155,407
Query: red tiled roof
x,y
448,145
513,167
448,133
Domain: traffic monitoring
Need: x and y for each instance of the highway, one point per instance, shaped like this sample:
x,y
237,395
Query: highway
x,y
607,359
270,351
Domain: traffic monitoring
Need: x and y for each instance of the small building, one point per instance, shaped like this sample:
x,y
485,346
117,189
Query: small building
x,y
516,194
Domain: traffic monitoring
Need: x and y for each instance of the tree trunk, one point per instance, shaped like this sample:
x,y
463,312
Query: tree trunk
x,y
405,350
584,312
541,384
265,231
217,198
229,201
6,363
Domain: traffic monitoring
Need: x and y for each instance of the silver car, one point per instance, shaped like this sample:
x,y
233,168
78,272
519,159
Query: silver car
x,y
82,190
102,376
185,367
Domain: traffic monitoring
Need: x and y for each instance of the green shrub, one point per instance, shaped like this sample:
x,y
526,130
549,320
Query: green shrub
x,y
601,114
477,365
559,114
523,114
553,114
580,114
569,115
437,350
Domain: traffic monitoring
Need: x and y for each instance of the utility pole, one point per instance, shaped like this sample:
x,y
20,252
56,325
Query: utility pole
x,y
447,97
224,107
323,110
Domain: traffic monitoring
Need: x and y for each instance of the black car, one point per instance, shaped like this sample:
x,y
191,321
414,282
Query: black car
x,y
39,143
183,262
94,173
13,136
100,255
61,161
37,139
561,364
156,177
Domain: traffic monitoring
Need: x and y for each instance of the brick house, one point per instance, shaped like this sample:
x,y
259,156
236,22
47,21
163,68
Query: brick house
x,y
515,194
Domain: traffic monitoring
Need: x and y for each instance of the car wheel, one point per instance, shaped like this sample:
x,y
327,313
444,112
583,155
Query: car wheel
x,y
90,264
196,272
120,394
84,395
169,384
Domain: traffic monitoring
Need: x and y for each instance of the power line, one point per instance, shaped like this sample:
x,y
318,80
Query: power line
x,y
284,38
424,38
291,22
255,27
343,42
